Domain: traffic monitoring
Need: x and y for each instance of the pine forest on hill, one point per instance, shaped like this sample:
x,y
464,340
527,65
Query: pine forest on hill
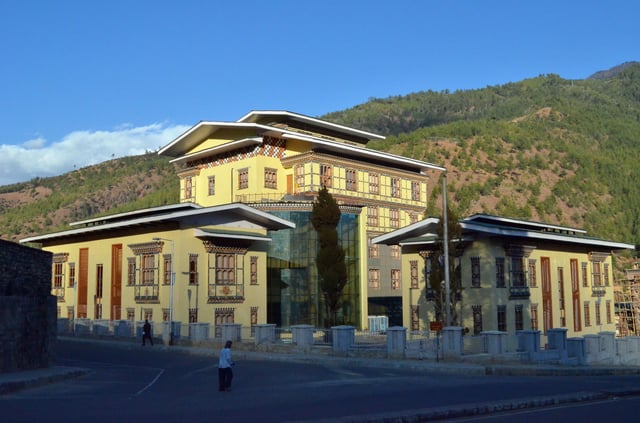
x,y
545,149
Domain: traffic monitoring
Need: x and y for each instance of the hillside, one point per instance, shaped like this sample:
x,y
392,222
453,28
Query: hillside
x,y
546,148
45,205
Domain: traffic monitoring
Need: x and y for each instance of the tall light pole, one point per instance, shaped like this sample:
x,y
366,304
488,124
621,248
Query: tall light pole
x,y
173,277
447,283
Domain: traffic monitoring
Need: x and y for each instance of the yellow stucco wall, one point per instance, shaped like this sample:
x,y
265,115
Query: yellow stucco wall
x,y
489,296
185,295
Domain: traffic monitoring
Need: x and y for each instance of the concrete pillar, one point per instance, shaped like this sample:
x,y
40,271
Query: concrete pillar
x,y
592,348
452,341
81,327
396,341
123,329
557,340
576,348
343,337
265,333
528,341
199,331
494,342
100,327
302,337
607,346
231,332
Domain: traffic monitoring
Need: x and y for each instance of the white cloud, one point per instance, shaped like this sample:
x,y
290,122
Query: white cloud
x,y
37,158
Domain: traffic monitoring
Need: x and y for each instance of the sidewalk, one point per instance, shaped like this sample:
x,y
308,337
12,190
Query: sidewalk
x,y
17,381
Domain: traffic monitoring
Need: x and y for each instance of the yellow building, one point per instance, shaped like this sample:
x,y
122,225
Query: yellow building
x,y
270,165
514,274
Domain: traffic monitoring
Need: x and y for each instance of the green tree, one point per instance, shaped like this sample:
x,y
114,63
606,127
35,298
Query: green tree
x,y
437,277
330,260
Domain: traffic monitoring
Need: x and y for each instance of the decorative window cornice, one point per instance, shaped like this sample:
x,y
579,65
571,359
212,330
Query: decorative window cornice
x,y
213,248
60,257
154,247
598,256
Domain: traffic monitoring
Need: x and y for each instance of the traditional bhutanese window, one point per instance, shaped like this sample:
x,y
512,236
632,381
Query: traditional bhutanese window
x,y
598,314
58,275
500,281
605,274
99,280
148,315
519,317
326,176
166,314
243,178
225,269
608,310
395,187
475,272
131,271
193,269
72,275
254,270
502,317
395,279
585,279
166,275
188,187
299,177
395,251
351,180
212,185
131,314
534,316
253,316
533,278
394,218
374,249
415,319
413,265
148,269
597,274
516,271
587,314
223,316
372,215
415,191
270,177
374,278
413,217
374,183
477,319
193,315
70,313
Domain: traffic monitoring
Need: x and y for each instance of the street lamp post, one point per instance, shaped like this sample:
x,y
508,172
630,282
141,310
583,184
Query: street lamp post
x,y
173,277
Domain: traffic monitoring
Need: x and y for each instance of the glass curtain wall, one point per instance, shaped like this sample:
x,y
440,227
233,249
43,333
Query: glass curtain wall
x,y
293,294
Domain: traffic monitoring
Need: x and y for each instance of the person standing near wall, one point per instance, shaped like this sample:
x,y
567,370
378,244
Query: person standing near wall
x,y
225,374
146,332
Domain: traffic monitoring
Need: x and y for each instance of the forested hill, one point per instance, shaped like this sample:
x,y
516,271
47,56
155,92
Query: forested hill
x,y
548,149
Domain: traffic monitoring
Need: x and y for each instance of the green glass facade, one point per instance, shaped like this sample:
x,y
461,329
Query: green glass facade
x,y
293,295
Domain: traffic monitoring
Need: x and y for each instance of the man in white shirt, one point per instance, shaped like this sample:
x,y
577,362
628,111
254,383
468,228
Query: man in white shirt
x,y
224,368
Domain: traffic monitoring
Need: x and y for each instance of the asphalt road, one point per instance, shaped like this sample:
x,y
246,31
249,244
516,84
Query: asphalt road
x,y
130,383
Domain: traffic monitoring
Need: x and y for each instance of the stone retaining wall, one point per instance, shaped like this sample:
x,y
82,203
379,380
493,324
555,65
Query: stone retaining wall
x,y
27,308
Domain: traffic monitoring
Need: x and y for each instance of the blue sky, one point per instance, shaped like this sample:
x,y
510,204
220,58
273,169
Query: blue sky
x,y
84,81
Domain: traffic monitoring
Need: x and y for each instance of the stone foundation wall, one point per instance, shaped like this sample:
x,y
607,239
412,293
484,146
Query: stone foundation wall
x,y
28,311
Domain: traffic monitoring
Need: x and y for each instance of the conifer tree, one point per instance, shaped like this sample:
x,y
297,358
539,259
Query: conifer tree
x,y
330,260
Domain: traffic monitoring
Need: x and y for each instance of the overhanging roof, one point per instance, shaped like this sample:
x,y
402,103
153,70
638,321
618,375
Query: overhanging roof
x,y
269,116
425,232
236,215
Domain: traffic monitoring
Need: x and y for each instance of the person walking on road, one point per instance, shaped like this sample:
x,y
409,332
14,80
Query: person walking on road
x,y
146,332
224,368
